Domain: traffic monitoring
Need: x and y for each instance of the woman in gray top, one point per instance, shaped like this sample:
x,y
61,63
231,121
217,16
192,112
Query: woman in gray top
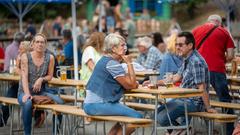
x,y
36,69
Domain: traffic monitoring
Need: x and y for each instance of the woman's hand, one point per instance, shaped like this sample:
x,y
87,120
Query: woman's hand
x,y
127,59
37,85
26,97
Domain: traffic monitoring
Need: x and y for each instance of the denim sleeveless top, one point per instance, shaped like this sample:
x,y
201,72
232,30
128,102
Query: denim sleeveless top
x,y
34,73
103,84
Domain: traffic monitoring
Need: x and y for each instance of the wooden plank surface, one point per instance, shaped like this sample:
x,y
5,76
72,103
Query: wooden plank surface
x,y
213,115
7,101
80,112
54,81
174,92
235,106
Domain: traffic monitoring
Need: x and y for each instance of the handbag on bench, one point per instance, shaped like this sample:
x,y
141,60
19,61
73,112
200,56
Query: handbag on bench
x,y
41,100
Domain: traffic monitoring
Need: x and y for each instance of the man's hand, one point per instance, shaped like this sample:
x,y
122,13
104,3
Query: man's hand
x,y
146,83
211,110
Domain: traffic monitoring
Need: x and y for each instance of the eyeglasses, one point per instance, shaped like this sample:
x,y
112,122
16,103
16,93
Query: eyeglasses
x,y
179,44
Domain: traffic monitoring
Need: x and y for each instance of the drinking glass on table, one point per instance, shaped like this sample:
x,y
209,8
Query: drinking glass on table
x,y
63,74
168,79
153,77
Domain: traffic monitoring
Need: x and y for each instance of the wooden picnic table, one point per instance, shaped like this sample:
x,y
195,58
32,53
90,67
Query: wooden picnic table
x,y
163,92
78,84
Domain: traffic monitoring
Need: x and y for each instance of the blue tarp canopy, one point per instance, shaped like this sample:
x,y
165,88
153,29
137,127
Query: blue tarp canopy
x,y
39,1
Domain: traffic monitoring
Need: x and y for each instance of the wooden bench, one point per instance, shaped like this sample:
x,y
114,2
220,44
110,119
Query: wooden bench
x,y
214,117
217,117
70,98
72,110
213,93
8,101
141,106
138,106
235,106
234,88
11,102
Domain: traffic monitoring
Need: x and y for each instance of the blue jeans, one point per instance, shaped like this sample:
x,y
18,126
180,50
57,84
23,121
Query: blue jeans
x,y
105,109
220,84
176,110
27,109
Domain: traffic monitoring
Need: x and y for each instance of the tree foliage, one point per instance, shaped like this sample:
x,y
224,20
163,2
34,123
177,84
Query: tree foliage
x,y
190,6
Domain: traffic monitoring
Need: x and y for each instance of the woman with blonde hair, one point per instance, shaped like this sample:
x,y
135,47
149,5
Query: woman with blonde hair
x,y
171,61
36,70
24,47
92,52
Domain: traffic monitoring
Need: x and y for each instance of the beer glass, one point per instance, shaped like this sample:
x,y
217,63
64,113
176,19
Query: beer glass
x,y
153,80
168,79
62,74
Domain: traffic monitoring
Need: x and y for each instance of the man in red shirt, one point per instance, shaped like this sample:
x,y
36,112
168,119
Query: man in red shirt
x,y
1,58
217,49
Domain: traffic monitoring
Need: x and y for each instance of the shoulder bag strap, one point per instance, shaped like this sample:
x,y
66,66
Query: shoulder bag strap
x,y
210,31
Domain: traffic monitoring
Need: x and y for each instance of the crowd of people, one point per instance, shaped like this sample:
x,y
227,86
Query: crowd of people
x,y
197,60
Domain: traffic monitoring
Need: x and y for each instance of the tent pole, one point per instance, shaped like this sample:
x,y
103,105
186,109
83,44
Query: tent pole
x,y
74,34
20,17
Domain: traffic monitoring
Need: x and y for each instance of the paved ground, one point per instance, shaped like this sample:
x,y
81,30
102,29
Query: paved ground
x,y
47,129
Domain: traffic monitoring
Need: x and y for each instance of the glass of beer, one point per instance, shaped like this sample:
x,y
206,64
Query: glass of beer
x,y
153,80
62,75
168,79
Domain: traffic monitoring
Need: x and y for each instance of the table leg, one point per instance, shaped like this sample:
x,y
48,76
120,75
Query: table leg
x,y
186,116
155,116
75,102
11,115
55,123
165,104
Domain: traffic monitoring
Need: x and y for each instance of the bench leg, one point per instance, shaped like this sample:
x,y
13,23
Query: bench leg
x,y
4,124
32,131
83,124
210,127
55,124
124,129
64,125
223,129
95,128
104,128
12,118
143,129
193,124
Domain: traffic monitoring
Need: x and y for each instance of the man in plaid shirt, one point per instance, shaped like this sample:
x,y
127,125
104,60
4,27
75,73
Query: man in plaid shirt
x,y
193,74
150,56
